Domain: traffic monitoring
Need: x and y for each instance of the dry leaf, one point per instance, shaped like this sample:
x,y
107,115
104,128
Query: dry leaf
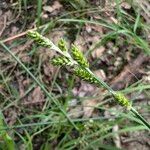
x,y
116,137
84,90
21,86
25,58
1,88
76,112
146,78
126,5
88,28
26,82
88,107
98,52
36,97
49,72
56,36
101,74
144,5
48,8
98,29
79,42
11,114
55,6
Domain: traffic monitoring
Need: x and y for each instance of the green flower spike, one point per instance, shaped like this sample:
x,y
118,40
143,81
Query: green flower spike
x,y
84,74
61,61
62,45
122,100
42,41
80,66
78,56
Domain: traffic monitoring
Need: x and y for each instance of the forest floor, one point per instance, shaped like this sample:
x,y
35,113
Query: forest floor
x,y
114,36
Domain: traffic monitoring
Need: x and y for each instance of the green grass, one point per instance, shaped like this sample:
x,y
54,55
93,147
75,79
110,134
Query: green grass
x,y
51,126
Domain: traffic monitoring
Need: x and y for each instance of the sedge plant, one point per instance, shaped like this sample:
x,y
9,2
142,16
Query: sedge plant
x,y
77,64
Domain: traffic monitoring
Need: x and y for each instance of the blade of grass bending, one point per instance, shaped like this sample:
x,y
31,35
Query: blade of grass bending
x,y
41,86
138,41
111,134
39,10
50,123
88,21
143,121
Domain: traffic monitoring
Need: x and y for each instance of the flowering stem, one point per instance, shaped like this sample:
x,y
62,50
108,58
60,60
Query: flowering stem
x,y
133,110
101,82
80,65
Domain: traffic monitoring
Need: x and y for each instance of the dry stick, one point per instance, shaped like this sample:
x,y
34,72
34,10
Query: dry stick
x,y
14,37
42,87
21,34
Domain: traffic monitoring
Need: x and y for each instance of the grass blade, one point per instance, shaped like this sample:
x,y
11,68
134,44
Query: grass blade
x,y
41,86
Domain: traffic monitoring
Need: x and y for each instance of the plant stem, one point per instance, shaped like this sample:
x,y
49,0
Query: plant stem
x,y
102,83
119,97
41,86
144,122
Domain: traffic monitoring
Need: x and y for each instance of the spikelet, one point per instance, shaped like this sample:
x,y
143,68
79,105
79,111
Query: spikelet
x,y
39,39
78,56
84,74
61,61
122,100
62,45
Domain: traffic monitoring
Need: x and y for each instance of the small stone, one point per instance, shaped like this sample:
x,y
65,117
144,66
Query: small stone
x,y
72,103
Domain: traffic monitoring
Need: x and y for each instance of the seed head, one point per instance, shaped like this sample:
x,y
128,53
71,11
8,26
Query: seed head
x,y
122,100
84,74
61,61
62,45
78,56
42,41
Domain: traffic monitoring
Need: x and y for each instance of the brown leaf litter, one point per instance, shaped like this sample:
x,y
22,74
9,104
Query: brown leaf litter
x,y
128,72
56,6
35,98
89,107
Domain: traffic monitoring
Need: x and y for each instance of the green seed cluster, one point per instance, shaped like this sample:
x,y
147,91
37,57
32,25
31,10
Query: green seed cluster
x,y
84,74
78,56
61,61
42,41
62,45
122,100
79,65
